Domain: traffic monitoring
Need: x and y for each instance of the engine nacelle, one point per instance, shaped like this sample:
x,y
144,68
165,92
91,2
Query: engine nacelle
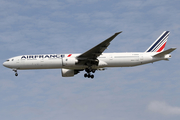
x,y
69,61
67,72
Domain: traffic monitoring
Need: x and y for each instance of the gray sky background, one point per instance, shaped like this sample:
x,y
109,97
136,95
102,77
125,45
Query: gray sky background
x,y
150,92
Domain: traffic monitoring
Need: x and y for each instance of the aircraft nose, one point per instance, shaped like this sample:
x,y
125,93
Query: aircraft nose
x,y
5,64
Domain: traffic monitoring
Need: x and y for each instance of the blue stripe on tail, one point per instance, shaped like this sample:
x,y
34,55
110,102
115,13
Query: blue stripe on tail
x,y
155,44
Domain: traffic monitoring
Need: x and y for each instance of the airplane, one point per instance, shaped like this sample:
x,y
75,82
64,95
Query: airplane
x,y
93,59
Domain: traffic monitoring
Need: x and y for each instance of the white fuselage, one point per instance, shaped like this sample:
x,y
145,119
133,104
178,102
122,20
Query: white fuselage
x,y
58,61
93,59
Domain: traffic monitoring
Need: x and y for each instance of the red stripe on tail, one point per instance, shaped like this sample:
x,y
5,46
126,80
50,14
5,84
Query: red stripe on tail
x,y
162,47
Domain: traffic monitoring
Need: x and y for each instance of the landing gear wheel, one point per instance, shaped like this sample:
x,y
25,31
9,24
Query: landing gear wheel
x,y
89,75
85,75
93,71
87,70
92,76
15,70
16,74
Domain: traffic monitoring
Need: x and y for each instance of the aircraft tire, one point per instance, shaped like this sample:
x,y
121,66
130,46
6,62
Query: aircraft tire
x,y
89,75
85,75
16,74
92,76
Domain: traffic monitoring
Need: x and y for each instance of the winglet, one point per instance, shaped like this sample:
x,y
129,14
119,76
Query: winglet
x,y
118,33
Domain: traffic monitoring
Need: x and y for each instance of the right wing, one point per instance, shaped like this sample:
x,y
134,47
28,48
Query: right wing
x,y
96,51
90,57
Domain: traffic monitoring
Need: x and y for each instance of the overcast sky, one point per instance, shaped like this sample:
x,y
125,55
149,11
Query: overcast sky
x,y
148,92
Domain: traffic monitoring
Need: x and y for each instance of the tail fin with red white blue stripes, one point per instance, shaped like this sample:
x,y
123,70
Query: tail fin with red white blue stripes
x,y
160,43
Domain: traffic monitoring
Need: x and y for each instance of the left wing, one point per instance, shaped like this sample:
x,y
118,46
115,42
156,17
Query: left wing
x,y
96,51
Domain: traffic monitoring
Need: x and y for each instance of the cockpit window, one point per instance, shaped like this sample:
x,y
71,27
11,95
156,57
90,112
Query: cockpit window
x,y
12,59
7,60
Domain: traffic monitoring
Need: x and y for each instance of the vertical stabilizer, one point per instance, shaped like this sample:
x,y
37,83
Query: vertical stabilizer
x,y
160,43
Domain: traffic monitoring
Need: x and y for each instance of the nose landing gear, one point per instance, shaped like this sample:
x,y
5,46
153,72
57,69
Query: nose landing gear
x,y
16,74
15,70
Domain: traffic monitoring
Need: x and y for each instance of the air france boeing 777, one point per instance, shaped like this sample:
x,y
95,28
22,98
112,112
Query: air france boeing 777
x,y
93,59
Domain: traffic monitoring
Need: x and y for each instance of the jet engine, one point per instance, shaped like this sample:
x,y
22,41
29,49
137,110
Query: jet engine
x,y
68,72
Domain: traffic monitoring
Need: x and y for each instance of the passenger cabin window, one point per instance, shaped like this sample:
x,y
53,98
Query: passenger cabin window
x,y
62,56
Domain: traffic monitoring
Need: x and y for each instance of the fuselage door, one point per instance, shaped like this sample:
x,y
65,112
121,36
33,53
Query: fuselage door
x,y
110,57
141,57
63,60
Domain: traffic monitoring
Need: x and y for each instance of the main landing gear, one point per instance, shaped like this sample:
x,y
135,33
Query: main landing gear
x,y
15,70
88,74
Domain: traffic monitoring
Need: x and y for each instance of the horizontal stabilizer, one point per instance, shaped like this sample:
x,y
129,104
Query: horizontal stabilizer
x,y
164,52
